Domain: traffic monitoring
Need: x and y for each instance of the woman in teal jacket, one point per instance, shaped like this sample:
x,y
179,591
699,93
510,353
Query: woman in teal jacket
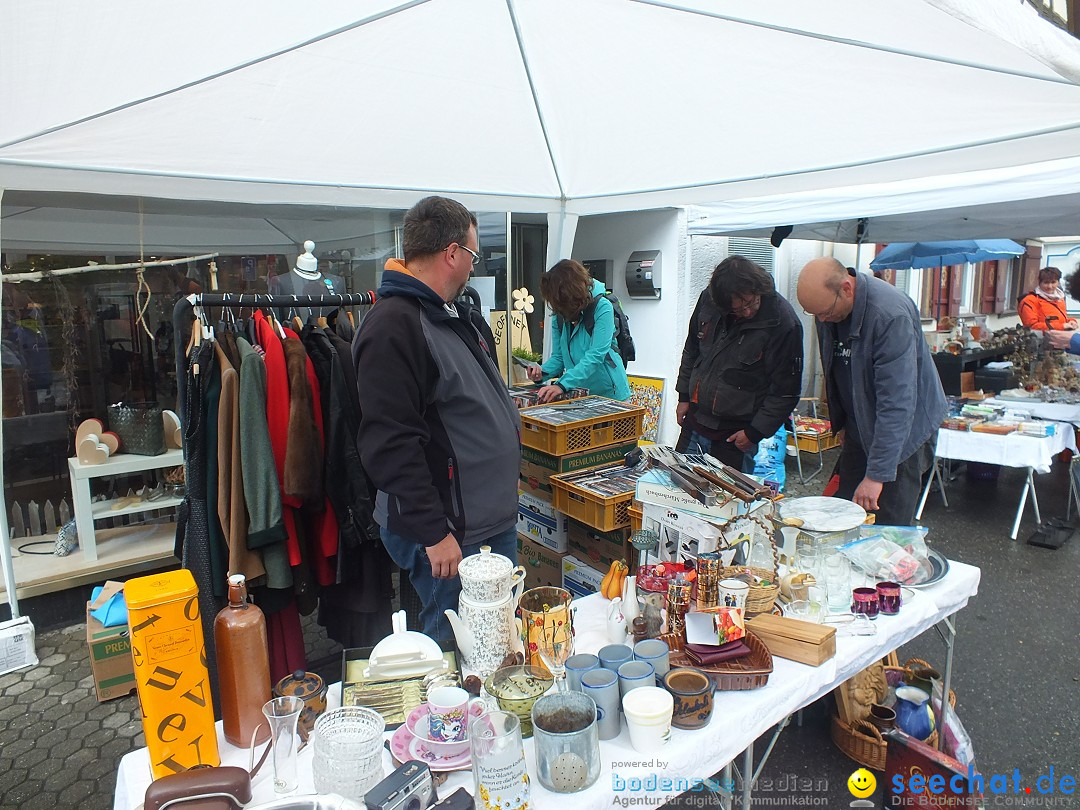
x,y
580,359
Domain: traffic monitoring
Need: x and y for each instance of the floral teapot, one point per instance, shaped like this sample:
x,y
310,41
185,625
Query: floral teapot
x,y
486,632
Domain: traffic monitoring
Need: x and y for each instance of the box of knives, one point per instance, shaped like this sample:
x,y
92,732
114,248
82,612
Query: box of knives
x,y
657,487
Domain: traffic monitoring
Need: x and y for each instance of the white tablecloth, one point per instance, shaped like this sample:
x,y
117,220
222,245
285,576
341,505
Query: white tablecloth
x,y
1010,450
1054,411
738,719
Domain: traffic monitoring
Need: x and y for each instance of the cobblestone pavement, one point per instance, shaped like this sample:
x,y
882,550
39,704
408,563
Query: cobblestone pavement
x,y
60,748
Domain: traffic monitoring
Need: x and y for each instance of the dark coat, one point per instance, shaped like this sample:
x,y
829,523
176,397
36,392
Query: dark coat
x,y
742,374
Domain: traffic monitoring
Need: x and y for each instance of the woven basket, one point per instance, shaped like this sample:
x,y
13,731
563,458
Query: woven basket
x,y
761,598
862,742
139,426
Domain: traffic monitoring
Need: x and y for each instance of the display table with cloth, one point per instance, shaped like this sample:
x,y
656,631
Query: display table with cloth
x,y
1033,453
739,718
1052,411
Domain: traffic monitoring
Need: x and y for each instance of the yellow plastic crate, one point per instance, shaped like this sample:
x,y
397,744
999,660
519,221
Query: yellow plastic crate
x,y
814,444
603,512
620,422
636,517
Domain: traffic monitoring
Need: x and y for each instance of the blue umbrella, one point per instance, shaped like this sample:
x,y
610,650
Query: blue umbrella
x,y
902,255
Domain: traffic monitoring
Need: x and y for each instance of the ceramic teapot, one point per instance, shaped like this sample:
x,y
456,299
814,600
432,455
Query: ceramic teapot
x,y
488,577
486,631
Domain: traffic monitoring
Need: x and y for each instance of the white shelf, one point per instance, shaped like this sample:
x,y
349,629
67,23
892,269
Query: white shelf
x,y
124,463
103,509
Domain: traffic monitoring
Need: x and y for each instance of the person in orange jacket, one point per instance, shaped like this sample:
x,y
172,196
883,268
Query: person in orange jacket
x,y
1044,307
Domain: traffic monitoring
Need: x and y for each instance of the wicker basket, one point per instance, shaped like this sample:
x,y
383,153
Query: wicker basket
x,y
750,672
761,598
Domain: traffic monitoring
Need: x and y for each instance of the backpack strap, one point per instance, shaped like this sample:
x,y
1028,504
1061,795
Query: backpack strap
x,y
588,315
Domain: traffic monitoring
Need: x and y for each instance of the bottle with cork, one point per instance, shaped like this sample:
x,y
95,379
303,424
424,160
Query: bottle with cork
x,y
243,662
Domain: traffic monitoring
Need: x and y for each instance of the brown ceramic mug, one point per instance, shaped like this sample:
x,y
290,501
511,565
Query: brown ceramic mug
x,y
883,717
692,690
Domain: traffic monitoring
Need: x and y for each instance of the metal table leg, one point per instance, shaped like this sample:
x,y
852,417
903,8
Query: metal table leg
x,y
935,472
747,776
1029,486
949,637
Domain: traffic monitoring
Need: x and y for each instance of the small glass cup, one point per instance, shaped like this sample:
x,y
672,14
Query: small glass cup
x,y
865,602
282,713
347,751
567,741
889,599
498,758
837,573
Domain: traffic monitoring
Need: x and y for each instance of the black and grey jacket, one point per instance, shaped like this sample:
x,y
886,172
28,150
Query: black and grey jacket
x,y
438,432
742,374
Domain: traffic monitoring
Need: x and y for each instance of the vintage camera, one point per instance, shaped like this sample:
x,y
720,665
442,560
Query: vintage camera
x,y
410,787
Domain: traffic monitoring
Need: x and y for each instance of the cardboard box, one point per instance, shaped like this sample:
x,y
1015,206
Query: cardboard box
x,y
683,535
600,549
17,645
537,467
110,658
656,488
542,522
579,577
542,565
805,642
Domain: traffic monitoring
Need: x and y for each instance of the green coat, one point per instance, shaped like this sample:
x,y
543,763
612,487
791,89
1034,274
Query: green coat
x,y
581,360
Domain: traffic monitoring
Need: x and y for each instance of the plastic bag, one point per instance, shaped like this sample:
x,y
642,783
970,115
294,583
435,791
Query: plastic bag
x,y
910,538
882,559
769,459
957,740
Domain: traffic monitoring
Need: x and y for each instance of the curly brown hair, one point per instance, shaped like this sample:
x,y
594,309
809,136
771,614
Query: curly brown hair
x,y
567,288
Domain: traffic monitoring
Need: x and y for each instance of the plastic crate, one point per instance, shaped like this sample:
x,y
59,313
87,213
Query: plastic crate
x,y
814,444
603,512
619,422
636,518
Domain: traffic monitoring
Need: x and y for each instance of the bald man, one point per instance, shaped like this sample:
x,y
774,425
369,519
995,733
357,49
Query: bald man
x,y
883,389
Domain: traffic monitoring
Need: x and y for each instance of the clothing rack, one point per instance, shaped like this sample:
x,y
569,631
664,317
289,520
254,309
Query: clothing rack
x,y
236,300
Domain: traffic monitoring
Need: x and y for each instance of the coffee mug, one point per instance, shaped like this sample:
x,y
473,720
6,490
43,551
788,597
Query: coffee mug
x,y
656,652
448,713
733,593
648,713
635,675
577,666
614,656
692,690
602,685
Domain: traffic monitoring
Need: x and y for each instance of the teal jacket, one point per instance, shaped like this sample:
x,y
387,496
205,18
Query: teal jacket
x,y
581,360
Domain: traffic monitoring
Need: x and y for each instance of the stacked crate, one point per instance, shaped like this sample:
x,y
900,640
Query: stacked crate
x,y
585,434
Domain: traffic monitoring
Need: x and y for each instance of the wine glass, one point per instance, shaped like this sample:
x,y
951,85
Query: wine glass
x,y
548,629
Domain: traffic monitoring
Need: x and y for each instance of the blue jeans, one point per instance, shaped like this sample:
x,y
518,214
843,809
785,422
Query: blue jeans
x,y
729,454
438,595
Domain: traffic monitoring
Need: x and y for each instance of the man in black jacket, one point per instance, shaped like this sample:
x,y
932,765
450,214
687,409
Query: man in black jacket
x,y
438,431
741,370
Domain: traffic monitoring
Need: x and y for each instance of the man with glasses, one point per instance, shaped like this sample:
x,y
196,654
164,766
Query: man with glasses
x,y
883,390
741,370
438,432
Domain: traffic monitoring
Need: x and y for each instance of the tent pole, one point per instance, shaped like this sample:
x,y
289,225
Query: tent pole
x,y
509,343
5,536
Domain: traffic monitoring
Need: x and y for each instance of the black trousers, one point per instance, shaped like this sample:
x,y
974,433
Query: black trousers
x,y
899,498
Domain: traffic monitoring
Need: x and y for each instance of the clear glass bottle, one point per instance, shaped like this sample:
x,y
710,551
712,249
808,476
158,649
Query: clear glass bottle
x,y
243,662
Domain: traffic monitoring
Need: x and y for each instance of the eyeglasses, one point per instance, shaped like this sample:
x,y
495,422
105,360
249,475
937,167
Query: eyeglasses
x,y
475,256
825,315
750,306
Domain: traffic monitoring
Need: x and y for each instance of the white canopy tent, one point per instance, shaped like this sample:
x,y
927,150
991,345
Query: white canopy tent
x,y
564,107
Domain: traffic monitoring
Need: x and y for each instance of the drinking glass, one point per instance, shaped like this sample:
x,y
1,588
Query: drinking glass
x,y
498,760
548,629
282,713
567,741
837,572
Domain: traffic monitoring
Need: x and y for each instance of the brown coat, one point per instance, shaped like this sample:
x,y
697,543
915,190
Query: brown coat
x,y
303,450
231,506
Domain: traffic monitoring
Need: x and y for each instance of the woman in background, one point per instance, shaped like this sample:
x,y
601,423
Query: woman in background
x,y
584,353
1044,307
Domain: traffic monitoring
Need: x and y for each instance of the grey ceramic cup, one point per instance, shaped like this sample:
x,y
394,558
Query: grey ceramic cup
x,y
578,665
615,655
633,674
602,685
657,653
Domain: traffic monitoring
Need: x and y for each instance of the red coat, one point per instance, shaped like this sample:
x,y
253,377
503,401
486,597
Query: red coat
x,y
1037,313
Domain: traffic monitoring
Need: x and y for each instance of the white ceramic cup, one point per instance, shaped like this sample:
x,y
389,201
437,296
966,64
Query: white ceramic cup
x,y
448,714
648,711
733,593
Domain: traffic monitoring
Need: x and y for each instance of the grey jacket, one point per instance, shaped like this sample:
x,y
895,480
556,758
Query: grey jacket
x,y
897,396
438,432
